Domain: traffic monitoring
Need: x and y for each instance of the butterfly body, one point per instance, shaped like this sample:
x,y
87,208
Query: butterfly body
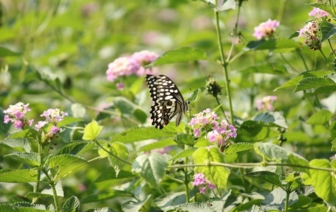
x,y
167,100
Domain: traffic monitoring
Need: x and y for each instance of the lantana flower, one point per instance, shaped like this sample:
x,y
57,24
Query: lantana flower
x,y
16,114
266,103
266,29
135,64
318,13
216,132
53,116
201,181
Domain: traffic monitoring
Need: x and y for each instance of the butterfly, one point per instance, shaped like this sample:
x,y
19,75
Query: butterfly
x,y
167,100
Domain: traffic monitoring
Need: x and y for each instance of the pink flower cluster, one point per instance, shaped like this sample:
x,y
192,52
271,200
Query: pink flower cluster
x,y
15,114
266,29
125,66
318,13
200,180
53,116
265,103
312,30
217,132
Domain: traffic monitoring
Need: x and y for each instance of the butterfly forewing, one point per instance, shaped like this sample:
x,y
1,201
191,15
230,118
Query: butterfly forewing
x,y
167,100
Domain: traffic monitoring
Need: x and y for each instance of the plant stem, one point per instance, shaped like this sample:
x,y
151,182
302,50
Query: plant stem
x,y
288,191
53,187
224,65
122,160
186,181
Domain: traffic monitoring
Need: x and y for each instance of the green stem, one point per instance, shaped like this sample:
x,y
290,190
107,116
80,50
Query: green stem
x,y
302,58
221,107
252,165
186,181
53,187
36,186
288,191
224,65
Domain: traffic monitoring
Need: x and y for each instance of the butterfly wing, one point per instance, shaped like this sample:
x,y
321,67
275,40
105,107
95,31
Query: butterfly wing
x,y
167,100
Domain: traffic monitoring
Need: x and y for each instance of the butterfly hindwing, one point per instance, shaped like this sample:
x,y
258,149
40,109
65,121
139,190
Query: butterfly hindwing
x,y
167,100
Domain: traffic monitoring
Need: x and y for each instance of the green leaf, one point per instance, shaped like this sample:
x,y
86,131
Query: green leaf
x,y
271,151
185,138
105,195
76,147
22,207
5,52
19,144
252,131
120,150
267,176
217,175
63,160
271,119
324,182
127,107
31,158
171,200
110,174
92,131
68,120
302,202
238,147
151,168
314,82
328,30
332,130
18,175
272,44
295,159
246,206
183,154
295,81
157,145
277,198
196,95
182,54
38,195
145,133
196,207
131,206
71,204
320,117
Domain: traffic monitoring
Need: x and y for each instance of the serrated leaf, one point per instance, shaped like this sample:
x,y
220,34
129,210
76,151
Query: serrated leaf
x,y
145,133
196,95
18,175
171,200
19,144
216,174
277,198
328,30
196,207
49,190
185,138
5,52
314,82
22,207
267,176
120,150
104,195
127,107
248,205
63,160
302,202
252,131
271,119
320,117
157,145
182,54
38,195
324,182
92,131
272,44
151,168
295,81
68,120
238,147
71,204
271,151
110,174
76,147
31,158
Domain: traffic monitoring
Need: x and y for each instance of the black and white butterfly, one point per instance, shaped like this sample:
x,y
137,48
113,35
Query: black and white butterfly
x,y
167,100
